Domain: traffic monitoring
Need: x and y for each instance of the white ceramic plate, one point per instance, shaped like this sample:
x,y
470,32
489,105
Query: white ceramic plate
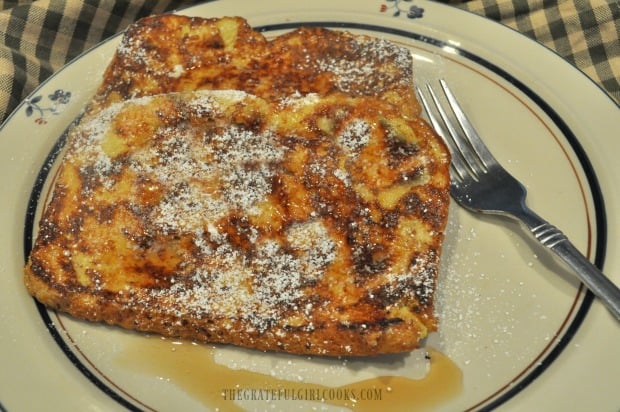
x,y
522,332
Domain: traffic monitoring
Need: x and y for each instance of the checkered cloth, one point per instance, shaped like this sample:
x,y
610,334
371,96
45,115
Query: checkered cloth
x,y
39,37
584,32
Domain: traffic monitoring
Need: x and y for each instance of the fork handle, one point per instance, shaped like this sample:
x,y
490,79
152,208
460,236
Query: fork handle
x,y
553,238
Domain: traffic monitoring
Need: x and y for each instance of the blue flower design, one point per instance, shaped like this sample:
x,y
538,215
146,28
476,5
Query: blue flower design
x,y
58,100
413,12
60,96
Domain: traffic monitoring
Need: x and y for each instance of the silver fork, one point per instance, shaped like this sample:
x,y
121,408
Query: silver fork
x,y
481,184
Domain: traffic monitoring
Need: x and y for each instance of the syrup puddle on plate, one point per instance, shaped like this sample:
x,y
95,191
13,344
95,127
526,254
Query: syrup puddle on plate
x,y
195,369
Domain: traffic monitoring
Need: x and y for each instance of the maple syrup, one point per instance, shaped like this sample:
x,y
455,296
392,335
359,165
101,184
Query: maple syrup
x,y
194,369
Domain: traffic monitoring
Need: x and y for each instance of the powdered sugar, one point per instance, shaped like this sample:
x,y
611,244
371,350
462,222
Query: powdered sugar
x,y
177,71
213,181
86,148
315,248
208,176
355,136
134,49
239,159
254,289
297,99
351,73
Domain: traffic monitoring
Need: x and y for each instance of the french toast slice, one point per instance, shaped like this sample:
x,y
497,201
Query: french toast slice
x,y
308,220
172,53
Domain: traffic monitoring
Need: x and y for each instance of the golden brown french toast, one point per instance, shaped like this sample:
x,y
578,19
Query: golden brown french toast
x,y
308,219
171,53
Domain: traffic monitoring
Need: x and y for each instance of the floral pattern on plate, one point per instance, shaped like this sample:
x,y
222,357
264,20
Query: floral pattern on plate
x,y
57,101
412,12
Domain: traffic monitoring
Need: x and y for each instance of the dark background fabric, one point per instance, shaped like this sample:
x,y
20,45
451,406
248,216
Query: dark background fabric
x,y
39,37
584,32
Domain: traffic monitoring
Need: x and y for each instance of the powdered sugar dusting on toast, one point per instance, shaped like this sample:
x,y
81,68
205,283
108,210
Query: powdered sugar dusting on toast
x,y
297,207
256,290
350,74
232,285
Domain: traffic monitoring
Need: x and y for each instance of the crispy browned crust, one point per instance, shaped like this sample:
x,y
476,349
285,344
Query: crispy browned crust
x,y
305,218
170,53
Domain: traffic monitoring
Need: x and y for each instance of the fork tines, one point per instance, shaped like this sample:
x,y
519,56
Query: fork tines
x,y
469,154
